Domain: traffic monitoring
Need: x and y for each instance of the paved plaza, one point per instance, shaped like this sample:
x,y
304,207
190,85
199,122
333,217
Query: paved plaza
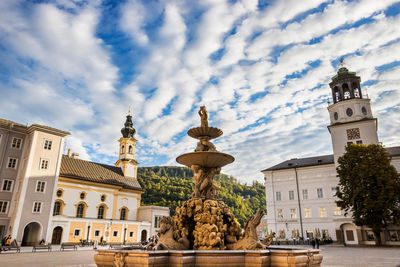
x,y
334,256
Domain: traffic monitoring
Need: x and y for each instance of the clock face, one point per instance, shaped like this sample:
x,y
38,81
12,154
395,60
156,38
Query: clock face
x,y
336,116
353,133
364,111
349,112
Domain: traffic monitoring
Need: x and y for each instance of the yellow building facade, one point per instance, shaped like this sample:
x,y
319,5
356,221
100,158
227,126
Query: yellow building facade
x,y
95,201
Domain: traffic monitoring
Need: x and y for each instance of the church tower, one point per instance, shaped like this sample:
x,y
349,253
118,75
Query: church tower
x,y
127,147
350,114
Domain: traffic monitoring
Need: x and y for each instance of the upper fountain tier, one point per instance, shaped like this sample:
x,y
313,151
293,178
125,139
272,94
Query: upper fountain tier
x,y
205,155
206,133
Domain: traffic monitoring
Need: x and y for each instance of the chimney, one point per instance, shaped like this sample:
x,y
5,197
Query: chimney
x,y
69,152
75,155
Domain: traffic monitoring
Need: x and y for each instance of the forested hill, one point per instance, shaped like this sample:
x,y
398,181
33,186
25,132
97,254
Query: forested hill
x,y
170,186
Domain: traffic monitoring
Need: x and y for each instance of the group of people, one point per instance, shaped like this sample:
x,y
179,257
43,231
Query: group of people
x,y
315,243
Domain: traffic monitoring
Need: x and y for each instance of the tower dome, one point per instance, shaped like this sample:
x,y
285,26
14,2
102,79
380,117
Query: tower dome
x,y
345,85
128,130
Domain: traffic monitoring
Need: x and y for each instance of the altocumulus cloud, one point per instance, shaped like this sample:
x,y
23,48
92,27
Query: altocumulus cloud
x,y
261,67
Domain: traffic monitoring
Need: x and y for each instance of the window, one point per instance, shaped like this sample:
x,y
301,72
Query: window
x,y
307,213
12,163
131,233
333,191
40,186
320,194
79,211
100,212
293,213
322,212
305,194
37,207
349,143
57,208
280,214
82,195
115,234
44,164
3,207
123,214
359,142
157,221
47,144
97,233
291,195
16,142
59,193
77,232
278,196
7,185
130,150
103,198
337,211
122,149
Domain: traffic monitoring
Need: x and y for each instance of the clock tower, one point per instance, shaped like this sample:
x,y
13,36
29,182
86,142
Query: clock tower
x,y
350,114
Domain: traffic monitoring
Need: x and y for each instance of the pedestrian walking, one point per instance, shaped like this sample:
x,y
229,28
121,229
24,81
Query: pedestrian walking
x,y
313,243
317,242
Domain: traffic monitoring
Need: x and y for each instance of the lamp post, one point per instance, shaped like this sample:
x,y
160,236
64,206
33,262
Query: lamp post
x,y
298,200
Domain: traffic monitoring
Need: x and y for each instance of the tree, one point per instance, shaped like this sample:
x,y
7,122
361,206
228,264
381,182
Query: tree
x,y
369,187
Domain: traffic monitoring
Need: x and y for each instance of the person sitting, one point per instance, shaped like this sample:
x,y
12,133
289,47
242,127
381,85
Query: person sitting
x,y
42,242
8,240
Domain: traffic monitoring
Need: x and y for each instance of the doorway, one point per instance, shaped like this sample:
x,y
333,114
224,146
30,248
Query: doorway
x,y
31,234
57,235
144,236
350,234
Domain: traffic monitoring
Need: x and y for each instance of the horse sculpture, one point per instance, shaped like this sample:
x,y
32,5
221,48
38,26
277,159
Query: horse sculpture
x,y
250,239
167,240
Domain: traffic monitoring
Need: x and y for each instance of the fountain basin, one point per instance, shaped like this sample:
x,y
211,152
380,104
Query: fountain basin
x,y
203,258
205,132
206,159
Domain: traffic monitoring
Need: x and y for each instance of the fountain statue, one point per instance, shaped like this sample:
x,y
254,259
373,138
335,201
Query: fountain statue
x,y
204,222
203,231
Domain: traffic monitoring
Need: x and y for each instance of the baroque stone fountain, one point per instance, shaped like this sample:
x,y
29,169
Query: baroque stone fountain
x,y
203,231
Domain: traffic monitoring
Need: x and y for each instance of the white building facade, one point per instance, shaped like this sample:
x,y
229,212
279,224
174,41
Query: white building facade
x,y
300,192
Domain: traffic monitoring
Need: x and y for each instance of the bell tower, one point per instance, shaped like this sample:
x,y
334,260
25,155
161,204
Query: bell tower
x,y
127,147
350,114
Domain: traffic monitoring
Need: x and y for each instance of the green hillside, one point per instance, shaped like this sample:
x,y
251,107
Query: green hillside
x,y
170,186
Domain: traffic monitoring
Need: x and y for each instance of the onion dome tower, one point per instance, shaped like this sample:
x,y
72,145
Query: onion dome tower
x,y
350,114
127,147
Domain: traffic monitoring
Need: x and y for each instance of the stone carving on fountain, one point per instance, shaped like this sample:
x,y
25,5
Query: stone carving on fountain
x,y
204,222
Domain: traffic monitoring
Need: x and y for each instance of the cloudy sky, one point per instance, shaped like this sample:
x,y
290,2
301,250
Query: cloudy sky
x,y
262,68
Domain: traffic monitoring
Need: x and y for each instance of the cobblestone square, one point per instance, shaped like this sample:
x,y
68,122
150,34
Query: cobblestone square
x,y
334,256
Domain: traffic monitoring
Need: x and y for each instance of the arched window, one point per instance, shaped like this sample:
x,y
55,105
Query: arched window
x,y
130,150
337,94
79,210
123,214
100,212
122,149
346,91
57,208
356,93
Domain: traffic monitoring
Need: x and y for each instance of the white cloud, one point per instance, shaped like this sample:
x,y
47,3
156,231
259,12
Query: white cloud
x,y
267,93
